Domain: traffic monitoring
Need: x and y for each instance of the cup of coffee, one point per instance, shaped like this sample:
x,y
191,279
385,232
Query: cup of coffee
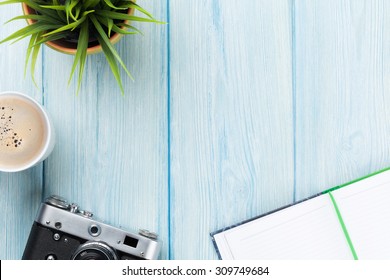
x,y
26,132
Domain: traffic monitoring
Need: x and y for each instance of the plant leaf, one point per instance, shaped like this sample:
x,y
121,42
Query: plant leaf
x,y
133,5
36,18
110,57
34,49
35,5
122,16
81,54
35,52
29,49
110,24
53,37
60,9
123,31
111,54
111,5
117,29
70,26
27,31
11,2
130,27
90,3
70,5
103,37
53,7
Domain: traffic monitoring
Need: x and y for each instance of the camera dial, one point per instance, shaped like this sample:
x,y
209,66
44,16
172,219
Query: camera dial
x,y
148,234
57,201
94,250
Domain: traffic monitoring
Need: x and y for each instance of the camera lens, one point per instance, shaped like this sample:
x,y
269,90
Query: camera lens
x,y
94,250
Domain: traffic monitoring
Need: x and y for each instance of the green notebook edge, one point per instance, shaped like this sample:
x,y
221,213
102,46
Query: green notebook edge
x,y
356,180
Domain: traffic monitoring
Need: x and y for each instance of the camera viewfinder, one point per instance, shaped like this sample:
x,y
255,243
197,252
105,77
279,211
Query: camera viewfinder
x,y
131,241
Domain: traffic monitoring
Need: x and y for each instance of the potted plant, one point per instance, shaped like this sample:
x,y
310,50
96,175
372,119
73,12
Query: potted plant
x,y
78,27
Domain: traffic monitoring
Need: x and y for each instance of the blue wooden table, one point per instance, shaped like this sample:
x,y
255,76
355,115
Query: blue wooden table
x,y
237,108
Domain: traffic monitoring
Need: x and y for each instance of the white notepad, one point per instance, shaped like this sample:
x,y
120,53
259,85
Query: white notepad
x,y
351,221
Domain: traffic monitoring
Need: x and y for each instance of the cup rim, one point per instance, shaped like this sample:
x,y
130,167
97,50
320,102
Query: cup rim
x,y
49,132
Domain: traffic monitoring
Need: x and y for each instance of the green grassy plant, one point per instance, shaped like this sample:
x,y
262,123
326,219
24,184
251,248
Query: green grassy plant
x,y
82,21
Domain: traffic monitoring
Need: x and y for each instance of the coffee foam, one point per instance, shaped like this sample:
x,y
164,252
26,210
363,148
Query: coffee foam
x,y
22,131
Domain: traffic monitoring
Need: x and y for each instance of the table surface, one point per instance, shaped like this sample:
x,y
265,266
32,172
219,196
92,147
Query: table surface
x,y
236,109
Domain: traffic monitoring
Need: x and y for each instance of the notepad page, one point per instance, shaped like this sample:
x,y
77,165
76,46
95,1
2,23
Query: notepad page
x,y
365,208
307,230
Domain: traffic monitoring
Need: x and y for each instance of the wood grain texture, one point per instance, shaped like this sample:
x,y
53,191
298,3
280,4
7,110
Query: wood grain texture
x,y
20,192
342,91
231,117
111,153
235,110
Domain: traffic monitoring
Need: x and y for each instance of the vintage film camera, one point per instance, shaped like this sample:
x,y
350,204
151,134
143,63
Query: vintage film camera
x,y
61,231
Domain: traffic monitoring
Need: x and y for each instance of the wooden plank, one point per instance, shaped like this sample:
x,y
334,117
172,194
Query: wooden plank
x,y
111,154
231,117
20,192
342,90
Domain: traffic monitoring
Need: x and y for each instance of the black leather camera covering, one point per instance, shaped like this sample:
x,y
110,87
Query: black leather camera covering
x,y
41,244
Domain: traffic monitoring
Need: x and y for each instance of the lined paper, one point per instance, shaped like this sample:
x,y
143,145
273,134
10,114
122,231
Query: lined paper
x,y
308,230
365,207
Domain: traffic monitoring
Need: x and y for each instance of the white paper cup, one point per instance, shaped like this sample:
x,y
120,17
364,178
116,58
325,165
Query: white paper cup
x,y
8,130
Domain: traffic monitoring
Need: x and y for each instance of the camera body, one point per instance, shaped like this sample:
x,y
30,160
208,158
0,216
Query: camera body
x,y
61,231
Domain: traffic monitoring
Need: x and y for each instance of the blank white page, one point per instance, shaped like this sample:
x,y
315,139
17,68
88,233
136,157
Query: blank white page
x,y
307,230
365,208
